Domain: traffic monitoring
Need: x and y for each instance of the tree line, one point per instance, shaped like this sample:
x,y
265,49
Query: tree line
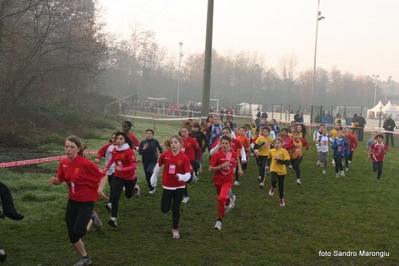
x,y
56,52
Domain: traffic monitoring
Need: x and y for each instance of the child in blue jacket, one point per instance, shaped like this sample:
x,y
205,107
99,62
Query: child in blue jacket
x,y
341,149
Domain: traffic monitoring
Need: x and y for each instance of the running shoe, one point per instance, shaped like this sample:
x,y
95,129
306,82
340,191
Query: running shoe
x,y
271,191
175,234
232,201
3,254
282,203
112,222
137,191
84,261
108,206
98,224
218,225
226,208
185,199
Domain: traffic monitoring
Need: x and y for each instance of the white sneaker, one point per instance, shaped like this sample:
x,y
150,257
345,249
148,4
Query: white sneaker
x,y
324,172
259,178
337,175
318,163
112,222
290,166
185,199
175,234
347,169
342,173
333,162
226,208
282,203
261,185
232,201
349,161
298,181
97,223
152,191
136,191
108,206
195,178
271,191
236,183
218,225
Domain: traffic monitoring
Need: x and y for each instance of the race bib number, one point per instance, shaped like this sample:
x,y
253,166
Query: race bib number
x,y
379,150
172,169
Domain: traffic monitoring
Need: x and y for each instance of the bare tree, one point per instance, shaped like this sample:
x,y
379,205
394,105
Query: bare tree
x,y
288,65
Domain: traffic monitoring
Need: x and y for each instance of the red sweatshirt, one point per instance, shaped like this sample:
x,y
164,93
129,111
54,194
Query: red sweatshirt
x,y
82,176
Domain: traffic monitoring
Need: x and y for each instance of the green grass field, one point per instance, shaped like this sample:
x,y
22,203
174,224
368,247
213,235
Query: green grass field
x,y
322,217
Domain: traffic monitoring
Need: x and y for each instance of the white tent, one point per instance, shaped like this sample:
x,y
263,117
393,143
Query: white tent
x,y
389,109
375,111
249,109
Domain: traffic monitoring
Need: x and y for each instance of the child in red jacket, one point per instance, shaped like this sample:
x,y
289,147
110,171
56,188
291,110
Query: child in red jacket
x,y
125,175
223,164
377,153
352,140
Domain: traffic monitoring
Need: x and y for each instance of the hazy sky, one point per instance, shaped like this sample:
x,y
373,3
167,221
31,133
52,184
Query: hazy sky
x,y
359,36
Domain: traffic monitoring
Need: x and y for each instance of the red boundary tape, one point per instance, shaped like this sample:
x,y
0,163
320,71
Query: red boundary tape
x,y
39,160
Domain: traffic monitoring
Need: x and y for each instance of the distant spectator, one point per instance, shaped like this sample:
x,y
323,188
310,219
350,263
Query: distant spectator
x,y
362,124
298,117
338,119
389,126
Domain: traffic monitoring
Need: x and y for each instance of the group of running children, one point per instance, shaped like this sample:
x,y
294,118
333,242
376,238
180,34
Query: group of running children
x,y
230,148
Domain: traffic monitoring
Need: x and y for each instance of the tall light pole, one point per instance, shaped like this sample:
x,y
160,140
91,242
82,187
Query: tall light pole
x,y
318,17
375,86
206,89
178,77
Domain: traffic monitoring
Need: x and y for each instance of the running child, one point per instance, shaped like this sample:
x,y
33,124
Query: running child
x,y
352,141
341,150
149,149
296,154
333,134
262,148
106,151
323,142
245,143
223,164
278,159
177,170
125,173
377,153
